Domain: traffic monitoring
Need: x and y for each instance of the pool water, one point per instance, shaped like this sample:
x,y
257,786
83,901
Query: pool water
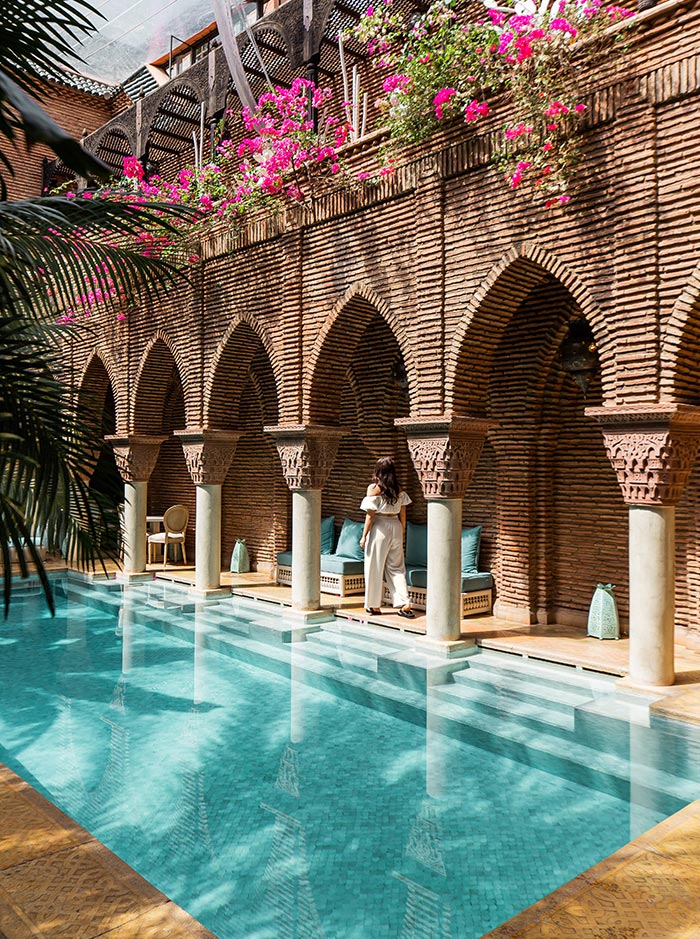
x,y
268,808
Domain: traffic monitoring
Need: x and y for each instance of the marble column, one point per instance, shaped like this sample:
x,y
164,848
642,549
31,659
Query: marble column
x,y
445,450
135,456
208,454
652,449
307,452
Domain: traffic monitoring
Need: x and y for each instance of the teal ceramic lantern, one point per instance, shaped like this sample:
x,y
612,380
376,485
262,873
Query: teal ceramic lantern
x,y
603,620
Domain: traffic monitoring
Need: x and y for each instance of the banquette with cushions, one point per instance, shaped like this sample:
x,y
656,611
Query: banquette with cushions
x,y
342,564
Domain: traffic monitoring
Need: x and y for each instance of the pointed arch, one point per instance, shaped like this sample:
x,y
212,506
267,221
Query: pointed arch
x,y
492,306
336,344
243,341
680,346
101,373
159,364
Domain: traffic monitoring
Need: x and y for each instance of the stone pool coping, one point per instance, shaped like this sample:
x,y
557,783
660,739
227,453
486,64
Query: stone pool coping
x,y
58,882
650,889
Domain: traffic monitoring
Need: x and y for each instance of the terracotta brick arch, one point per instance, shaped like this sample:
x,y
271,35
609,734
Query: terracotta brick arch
x,y
469,359
98,375
159,365
680,346
336,344
245,352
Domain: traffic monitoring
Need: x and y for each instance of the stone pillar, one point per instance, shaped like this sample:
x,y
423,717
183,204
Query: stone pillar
x,y
208,454
135,456
307,452
444,450
652,449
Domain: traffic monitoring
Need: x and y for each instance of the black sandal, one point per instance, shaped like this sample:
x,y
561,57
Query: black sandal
x,y
407,614
373,612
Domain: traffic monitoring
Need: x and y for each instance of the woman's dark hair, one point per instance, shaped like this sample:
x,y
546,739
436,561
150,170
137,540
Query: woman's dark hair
x,y
385,478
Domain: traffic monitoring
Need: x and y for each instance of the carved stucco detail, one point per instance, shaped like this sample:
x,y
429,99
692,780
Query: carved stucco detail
x,y
445,453
307,454
208,454
652,467
652,449
135,456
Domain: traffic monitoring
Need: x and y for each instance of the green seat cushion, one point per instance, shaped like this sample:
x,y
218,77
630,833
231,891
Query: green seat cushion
x,y
476,582
471,541
335,564
416,576
327,534
349,541
416,545
284,559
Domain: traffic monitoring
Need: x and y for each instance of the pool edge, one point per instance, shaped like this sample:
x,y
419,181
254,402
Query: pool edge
x,y
54,874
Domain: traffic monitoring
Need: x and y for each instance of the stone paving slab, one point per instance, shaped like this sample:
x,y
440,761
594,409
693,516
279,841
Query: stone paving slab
x,y
58,882
650,889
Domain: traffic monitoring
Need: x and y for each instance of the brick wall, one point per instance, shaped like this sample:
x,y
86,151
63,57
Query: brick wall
x,y
443,274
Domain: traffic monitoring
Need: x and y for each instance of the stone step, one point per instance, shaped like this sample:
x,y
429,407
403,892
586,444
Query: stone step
x,y
512,685
362,645
348,627
589,767
562,677
532,715
345,658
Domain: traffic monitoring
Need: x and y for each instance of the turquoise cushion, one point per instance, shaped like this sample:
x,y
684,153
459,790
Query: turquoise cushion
x,y
416,576
284,559
327,534
476,582
471,540
416,545
349,540
334,564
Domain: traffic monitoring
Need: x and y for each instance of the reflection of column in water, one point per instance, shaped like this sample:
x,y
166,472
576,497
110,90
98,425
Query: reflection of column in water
x,y
296,698
436,752
287,884
645,760
201,631
125,629
425,840
426,916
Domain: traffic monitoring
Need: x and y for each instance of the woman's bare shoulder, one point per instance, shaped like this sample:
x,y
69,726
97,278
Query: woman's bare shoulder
x,y
373,490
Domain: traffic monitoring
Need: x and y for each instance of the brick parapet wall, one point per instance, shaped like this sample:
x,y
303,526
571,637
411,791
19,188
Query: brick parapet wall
x,y
439,288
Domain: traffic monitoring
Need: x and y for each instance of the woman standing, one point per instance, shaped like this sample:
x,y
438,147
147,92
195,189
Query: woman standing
x,y
382,539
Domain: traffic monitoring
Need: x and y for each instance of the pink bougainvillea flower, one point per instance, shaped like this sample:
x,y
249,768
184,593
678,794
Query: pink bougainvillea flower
x,y
474,110
442,98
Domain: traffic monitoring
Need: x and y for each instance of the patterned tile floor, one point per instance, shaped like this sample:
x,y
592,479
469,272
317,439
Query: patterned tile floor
x,y
57,882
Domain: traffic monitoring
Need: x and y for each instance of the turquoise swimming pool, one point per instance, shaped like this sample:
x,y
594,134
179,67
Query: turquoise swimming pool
x,y
262,793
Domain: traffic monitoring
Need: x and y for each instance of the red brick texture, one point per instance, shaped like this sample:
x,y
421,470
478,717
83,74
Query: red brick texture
x,y
442,290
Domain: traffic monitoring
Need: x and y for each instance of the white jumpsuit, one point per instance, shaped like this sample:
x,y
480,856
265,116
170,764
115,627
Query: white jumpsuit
x,y
384,552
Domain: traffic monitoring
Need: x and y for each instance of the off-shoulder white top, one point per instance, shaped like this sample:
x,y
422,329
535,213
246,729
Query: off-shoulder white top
x,y
380,504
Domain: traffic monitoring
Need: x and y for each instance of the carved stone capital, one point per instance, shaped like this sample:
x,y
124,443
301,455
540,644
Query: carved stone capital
x,y
652,449
445,450
208,453
135,455
307,452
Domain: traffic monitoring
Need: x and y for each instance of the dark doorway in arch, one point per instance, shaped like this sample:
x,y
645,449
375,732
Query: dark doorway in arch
x,y
369,394
561,524
96,400
243,397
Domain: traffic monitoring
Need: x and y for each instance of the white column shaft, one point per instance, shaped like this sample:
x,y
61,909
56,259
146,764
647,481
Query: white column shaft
x,y
652,593
443,613
207,566
134,531
306,549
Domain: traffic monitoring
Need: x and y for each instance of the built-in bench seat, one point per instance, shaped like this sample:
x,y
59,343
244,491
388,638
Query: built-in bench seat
x,y
477,587
342,569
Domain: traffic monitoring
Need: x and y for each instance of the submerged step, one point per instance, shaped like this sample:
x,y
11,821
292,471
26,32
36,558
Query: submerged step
x,y
507,707
553,675
513,685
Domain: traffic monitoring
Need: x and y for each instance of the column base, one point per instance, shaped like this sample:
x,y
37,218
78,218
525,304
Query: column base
x,y
207,592
125,577
446,648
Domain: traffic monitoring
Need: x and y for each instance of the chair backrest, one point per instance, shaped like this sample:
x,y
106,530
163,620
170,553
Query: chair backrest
x,y
175,519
